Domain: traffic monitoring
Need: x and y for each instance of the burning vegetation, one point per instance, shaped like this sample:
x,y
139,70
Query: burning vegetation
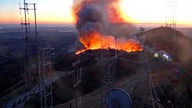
x,y
95,21
95,40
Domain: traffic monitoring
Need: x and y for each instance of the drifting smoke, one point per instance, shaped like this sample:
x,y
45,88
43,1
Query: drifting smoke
x,y
98,21
103,16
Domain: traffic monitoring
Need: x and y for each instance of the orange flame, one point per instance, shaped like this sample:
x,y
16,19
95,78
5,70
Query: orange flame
x,y
95,40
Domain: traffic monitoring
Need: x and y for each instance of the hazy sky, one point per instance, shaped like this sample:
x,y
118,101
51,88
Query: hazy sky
x,y
59,11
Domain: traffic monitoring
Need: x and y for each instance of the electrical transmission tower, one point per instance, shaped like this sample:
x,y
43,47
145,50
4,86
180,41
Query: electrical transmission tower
x,y
171,14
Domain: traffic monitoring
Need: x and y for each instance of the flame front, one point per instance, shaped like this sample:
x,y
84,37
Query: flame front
x,y
95,40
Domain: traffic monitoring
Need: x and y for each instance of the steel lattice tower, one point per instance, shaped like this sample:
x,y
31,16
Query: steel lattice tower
x,y
38,56
30,44
45,77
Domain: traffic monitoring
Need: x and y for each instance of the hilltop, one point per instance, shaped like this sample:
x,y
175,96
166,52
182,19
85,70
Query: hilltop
x,y
170,77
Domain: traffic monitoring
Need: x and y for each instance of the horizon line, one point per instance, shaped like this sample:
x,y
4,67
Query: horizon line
x,y
152,24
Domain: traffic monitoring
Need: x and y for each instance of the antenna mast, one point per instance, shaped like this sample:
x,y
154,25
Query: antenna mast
x,y
171,14
30,43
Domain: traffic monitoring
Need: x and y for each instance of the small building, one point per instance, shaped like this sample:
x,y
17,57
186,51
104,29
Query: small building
x,y
163,55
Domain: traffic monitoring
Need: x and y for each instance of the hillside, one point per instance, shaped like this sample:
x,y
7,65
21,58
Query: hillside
x,y
171,79
150,82
174,42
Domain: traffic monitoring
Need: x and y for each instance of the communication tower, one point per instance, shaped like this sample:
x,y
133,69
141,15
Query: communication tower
x,y
171,13
77,78
107,72
108,66
38,65
30,37
45,77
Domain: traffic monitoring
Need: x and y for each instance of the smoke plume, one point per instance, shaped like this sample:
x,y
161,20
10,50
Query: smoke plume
x,y
99,22
103,16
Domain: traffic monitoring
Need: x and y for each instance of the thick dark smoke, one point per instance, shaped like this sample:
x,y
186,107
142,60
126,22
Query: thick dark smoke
x,y
102,16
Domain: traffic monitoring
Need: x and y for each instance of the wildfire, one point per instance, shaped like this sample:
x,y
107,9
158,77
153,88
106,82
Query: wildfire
x,y
95,40
95,19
